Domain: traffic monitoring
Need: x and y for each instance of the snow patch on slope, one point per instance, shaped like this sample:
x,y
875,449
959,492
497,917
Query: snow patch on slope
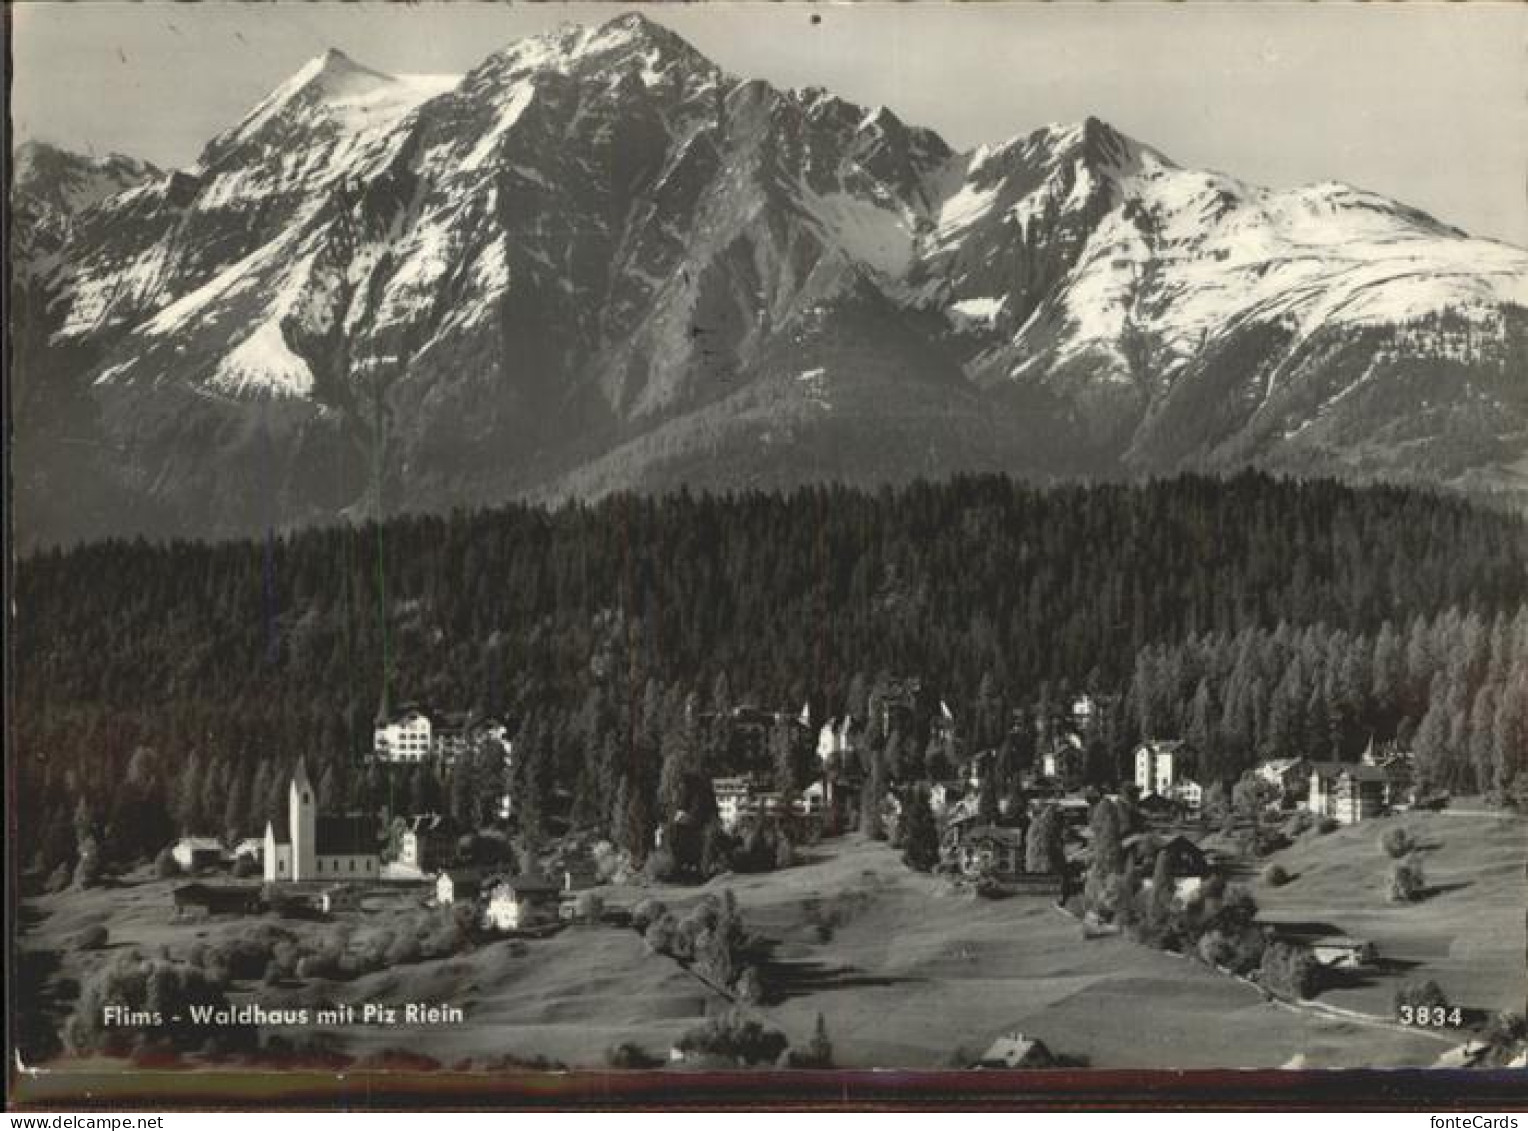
x,y
880,237
520,97
264,362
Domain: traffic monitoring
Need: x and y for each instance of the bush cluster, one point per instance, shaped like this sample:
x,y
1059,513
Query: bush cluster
x,y
732,1040
1397,843
1408,882
1289,971
711,940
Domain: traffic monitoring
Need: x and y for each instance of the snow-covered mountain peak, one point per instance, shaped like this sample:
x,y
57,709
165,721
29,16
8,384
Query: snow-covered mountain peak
x,y
629,40
334,91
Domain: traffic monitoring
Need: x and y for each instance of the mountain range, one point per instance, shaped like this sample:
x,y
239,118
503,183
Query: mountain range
x,y
597,262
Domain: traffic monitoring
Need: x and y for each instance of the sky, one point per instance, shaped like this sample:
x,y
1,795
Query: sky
x,y
1419,101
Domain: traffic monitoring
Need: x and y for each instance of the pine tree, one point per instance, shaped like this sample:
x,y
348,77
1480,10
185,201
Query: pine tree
x,y
922,834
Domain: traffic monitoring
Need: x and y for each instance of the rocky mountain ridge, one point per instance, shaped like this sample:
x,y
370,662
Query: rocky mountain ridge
x,y
597,262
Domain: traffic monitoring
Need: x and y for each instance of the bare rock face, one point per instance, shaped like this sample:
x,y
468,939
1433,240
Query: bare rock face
x,y
596,262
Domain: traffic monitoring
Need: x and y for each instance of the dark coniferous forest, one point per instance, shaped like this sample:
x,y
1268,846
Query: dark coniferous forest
x,y
170,687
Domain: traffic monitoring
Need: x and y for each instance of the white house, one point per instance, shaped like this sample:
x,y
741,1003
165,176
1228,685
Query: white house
x,y
314,847
521,902
1157,766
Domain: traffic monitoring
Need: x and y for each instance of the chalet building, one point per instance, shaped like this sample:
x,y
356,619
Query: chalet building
x,y
196,853
1400,767
987,850
1158,766
1186,861
1347,792
1015,1050
1291,776
314,847
1344,953
1065,764
1189,794
427,843
520,902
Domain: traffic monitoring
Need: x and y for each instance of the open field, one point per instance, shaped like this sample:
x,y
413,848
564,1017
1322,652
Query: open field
x,y
906,971
1468,934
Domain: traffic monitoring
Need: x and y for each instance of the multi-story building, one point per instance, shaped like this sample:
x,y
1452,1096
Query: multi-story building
x,y
415,734
1158,765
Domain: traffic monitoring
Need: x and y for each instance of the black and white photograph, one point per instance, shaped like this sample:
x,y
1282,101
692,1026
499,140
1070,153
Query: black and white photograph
x,y
639,541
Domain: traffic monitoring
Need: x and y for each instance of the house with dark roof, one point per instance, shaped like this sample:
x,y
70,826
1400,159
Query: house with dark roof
x,y
309,846
988,850
1347,792
459,885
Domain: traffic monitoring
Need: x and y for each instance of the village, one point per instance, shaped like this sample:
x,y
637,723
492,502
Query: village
x,y
324,860
1159,861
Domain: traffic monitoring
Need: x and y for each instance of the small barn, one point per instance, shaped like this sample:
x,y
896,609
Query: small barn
x,y
1344,953
1015,1050
217,899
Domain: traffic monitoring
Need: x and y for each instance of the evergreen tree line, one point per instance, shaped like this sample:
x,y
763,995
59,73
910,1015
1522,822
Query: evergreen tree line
x,y
173,686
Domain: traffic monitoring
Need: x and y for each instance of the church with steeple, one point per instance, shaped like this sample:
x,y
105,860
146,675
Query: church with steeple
x,y
312,846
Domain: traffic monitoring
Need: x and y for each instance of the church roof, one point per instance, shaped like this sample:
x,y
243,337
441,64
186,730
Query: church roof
x,y
351,835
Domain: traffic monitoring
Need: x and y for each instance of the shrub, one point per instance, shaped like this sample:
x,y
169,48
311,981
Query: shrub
x,y
1506,1037
733,1039
150,985
246,866
1275,876
166,867
91,938
647,912
1397,843
1421,995
630,1055
750,986
1407,881
1288,971
661,934
1326,825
